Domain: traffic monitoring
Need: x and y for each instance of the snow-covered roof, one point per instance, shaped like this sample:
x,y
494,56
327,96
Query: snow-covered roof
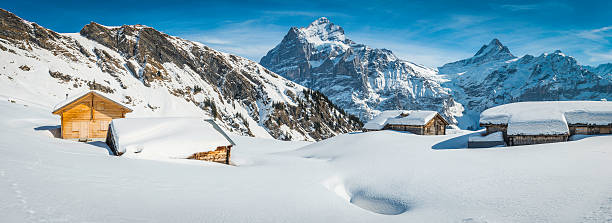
x,y
167,137
400,117
493,137
78,96
547,117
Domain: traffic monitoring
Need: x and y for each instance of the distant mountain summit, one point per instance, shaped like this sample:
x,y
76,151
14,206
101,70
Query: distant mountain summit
x,y
493,76
360,79
495,50
602,69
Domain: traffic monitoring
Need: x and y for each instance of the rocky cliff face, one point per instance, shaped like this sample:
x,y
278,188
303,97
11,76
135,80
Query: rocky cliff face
x,y
360,79
161,75
602,69
497,77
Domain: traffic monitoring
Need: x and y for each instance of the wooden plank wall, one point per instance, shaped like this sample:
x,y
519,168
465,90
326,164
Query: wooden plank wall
x,y
220,155
96,117
529,140
590,129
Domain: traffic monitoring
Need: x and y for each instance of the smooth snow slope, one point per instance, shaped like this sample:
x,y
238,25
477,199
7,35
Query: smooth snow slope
x,y
382,176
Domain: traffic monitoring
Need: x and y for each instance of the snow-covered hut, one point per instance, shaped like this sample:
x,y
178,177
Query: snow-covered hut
x,y
181,137
86,115
486,140
416,121
525,123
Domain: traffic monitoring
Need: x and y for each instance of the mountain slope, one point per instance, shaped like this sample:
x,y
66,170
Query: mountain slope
x,y
497,77
602,69
360,79
161,75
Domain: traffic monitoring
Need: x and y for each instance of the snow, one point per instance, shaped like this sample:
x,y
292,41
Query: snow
x,y
548,117
77,96
413,118
379,121
589,117
399,117
324,34
176,137
493,137
380,176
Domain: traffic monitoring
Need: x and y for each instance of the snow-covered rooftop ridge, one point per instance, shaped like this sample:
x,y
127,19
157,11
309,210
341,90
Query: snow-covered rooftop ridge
x,y
81,94
548,117
400,117
177,137
493,137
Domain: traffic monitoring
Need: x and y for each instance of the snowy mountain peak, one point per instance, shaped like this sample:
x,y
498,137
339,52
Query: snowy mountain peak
x,y
320,21
359,78
495,47
493,53
322,31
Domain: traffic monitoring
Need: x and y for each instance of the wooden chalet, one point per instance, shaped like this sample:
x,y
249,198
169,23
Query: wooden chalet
x,y
415,121
527,123
87,115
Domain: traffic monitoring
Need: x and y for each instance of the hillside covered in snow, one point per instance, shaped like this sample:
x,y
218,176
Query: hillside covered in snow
x,y
161,75
383,176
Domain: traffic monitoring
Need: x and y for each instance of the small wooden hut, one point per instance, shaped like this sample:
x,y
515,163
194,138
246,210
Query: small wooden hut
x,y
526,123
415,121
171,137
87,115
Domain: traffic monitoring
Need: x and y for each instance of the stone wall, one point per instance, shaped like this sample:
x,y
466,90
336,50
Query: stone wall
x,y
220,155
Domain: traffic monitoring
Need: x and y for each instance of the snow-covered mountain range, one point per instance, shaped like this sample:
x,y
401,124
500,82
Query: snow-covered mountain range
x,y
602,69
365,81
358,78
161,75
494,76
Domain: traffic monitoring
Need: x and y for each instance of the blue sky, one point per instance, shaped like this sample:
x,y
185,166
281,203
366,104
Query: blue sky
x,y
427,32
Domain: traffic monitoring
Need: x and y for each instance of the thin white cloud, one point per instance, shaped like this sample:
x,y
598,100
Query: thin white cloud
x,y
531,7
250,38
209,40
600,34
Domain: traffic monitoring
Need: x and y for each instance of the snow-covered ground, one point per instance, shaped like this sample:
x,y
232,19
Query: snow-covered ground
x,y
382,176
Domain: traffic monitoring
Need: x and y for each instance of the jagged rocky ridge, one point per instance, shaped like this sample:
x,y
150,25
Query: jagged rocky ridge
x,y
358,78
160,74
494,76
602,69
365,81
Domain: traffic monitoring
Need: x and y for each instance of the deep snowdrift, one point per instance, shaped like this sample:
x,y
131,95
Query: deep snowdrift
x,y
382,176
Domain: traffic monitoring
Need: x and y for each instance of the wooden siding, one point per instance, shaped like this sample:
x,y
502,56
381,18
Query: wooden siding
x,y
590,129
221,155
435,126
517,140
491,128
89,117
